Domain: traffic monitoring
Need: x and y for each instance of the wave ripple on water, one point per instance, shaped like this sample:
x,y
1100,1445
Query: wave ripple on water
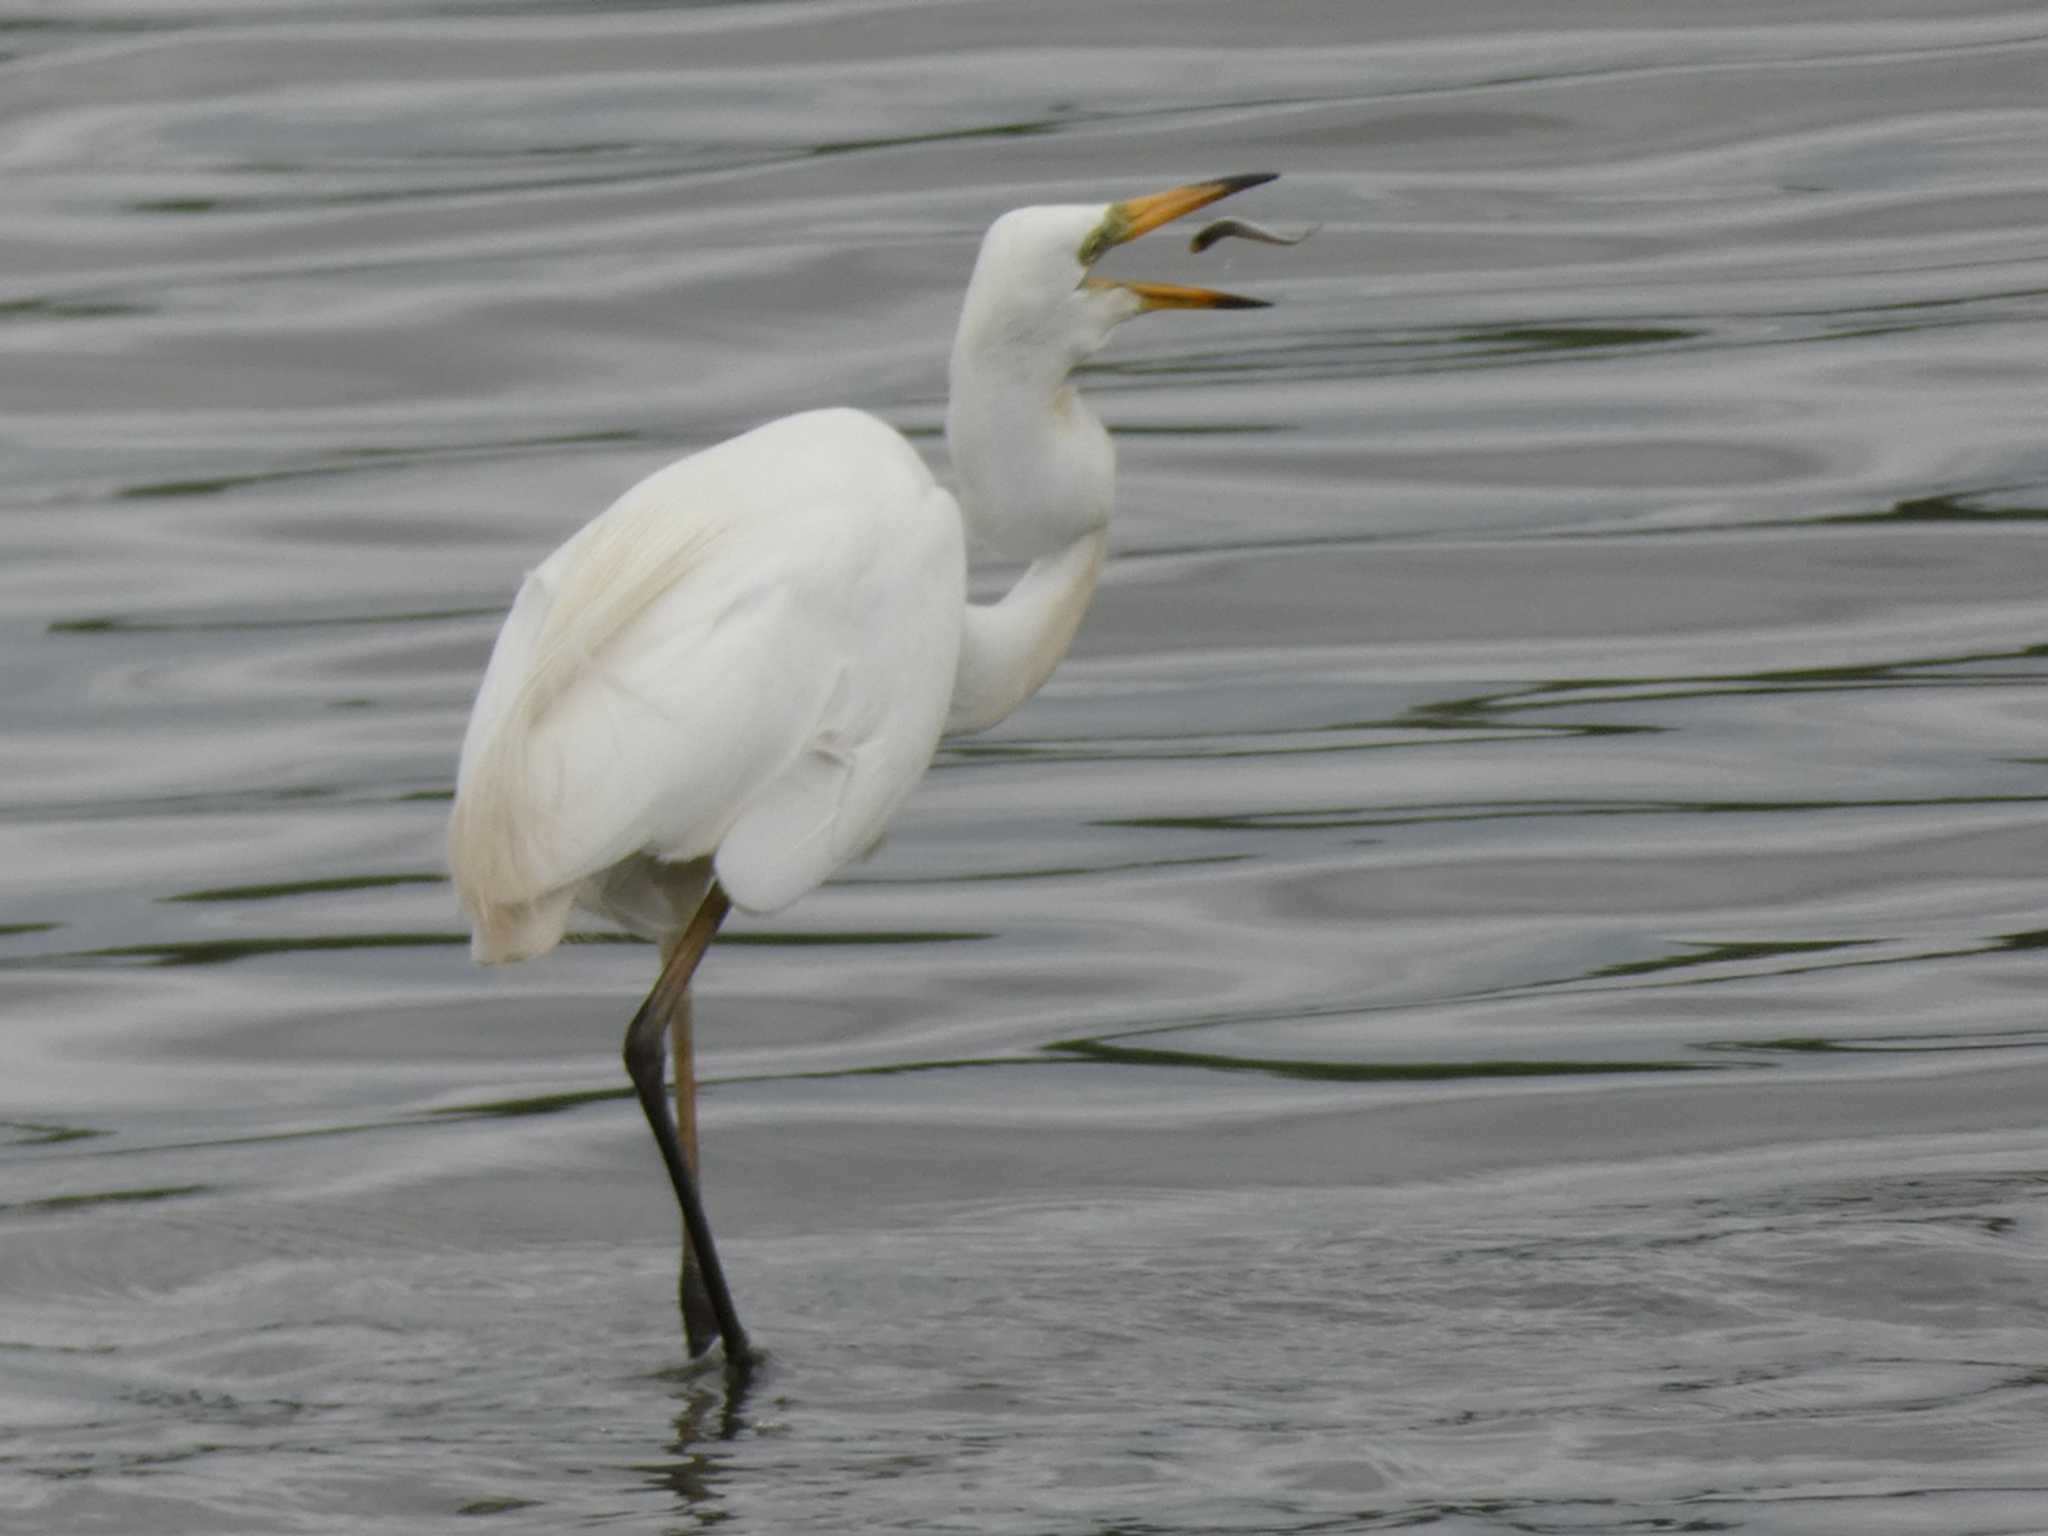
x,y
1495,991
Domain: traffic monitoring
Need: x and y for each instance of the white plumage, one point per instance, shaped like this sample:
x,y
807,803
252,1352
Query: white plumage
x,y
720,689
747,658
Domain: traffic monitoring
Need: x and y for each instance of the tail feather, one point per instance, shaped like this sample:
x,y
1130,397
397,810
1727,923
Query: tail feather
x,y
501,933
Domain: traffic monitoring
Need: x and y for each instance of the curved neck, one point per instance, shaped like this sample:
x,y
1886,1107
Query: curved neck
x,y
1036,469
1008,648
1037,474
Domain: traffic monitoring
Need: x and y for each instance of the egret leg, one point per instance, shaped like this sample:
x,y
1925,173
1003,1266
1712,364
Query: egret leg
x,y
700,1323
645,1052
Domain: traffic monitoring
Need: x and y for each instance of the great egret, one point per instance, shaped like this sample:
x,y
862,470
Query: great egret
x,y
718,691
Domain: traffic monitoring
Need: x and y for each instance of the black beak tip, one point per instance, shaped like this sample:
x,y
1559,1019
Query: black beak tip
x,y
1239,301
1231,184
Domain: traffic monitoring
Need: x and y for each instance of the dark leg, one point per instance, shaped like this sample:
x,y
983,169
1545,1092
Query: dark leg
x,y
646,1042
699,1321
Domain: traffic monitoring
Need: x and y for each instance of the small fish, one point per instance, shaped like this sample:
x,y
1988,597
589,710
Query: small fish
x,y
1223,229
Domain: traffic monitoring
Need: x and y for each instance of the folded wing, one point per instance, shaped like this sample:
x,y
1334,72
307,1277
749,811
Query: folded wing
x,y
747,658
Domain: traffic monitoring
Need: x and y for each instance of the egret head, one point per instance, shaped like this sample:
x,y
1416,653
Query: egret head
x,y
1036,469
1033,301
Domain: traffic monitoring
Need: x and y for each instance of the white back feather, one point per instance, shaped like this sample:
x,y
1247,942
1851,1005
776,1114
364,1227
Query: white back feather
x,y
791,595
597,586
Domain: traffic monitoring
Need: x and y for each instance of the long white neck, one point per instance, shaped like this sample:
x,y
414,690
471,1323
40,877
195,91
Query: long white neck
x,y
1037,474
1008,648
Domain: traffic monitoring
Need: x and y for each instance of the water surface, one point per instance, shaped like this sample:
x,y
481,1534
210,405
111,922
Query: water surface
x,y
1497,990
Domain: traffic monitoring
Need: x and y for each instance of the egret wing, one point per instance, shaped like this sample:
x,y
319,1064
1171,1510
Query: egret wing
x,y
750,653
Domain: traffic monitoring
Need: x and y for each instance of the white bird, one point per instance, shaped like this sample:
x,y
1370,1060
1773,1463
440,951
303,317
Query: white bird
x,y
719,690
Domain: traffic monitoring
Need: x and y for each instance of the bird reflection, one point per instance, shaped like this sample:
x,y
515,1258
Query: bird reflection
x,y
712,1410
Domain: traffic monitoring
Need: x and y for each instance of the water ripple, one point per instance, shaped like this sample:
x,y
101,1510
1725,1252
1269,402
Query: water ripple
x,y
1497,989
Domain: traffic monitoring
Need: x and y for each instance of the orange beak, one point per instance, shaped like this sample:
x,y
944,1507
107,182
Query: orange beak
x,y
1179,296
1140,215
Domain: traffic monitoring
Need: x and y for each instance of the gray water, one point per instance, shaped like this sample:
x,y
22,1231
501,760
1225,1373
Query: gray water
x,y
1499,989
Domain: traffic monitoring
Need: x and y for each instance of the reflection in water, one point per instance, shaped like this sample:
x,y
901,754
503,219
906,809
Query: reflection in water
x,y
285,888
1354,1071
221,951
709,1417
21,1133
61,1203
